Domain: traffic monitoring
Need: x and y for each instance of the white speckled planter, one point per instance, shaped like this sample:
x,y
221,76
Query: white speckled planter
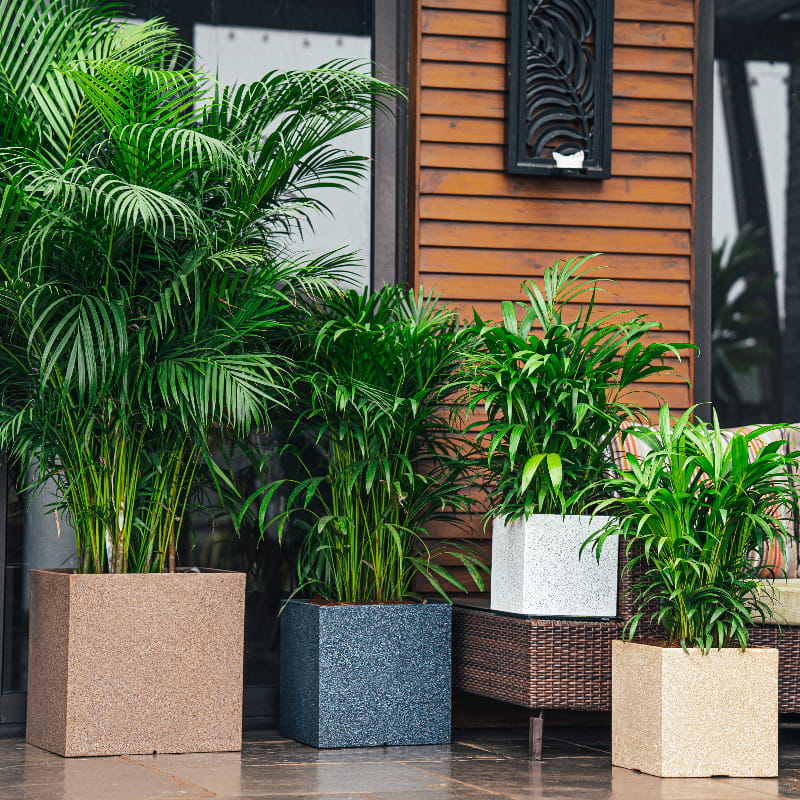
x,y
679,715
537,568
135,663
365,675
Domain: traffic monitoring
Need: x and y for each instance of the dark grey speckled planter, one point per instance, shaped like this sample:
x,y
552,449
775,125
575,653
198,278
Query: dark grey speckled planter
x,y
361,676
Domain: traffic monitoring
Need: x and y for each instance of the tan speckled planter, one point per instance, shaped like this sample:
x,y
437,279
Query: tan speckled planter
x,y
679,715
135,663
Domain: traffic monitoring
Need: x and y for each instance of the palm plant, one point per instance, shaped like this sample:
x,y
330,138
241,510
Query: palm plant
x,y
693,510
744,333
383,396
144,275
557,391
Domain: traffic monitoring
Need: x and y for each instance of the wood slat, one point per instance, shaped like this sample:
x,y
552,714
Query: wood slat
x,y
440,529
524,211
489,131
471,183
632,53
464,156
487,77
524,264
677,396
646,10
637,10
645,85
634,23
653,34
491,105
672,319
631,292
668,165
458,129
646,111
462,103
491,158
464,50
654,139
653,59
464,23
468,5
554,237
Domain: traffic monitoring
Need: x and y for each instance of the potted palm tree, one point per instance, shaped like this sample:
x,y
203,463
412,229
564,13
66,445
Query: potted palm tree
x,y
689,697
364,661
143,285
555,381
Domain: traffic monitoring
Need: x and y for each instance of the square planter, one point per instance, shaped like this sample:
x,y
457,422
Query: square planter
x,y
679,715
537,569
135,663
365,675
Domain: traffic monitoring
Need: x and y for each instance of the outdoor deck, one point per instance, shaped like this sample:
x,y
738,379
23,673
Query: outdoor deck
x,y
479,764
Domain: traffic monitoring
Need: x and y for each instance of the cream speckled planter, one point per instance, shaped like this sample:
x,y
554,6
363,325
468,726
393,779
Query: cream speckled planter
x,y
537,569
135,663
679,715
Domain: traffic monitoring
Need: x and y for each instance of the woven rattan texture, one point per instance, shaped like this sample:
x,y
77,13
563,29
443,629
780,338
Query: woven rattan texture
x,y
535,663
566,664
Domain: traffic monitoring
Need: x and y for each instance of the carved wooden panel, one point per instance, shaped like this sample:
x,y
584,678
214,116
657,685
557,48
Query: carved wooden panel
x,y
560,87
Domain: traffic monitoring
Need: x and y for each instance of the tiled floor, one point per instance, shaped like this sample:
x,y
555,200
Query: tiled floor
x,y
479,764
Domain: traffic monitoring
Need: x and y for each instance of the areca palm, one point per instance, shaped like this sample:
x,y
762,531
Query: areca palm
x,y
144,277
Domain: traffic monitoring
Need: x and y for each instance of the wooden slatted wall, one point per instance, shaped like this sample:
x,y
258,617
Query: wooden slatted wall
x,y
477,232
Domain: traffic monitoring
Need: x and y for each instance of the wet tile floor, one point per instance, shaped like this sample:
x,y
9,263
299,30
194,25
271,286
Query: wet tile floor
x,y
478,764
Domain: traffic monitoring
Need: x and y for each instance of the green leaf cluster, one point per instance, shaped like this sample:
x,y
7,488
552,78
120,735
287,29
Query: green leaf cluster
x,y
145,283
383,395
554,379
694,509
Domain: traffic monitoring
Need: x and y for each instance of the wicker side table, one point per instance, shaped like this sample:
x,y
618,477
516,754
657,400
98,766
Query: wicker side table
x,y
533,662
543,664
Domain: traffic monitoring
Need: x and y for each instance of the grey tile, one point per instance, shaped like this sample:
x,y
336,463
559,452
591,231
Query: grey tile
x,y
15,751
336,796
520,778
513,743
56,778
238,777
566,778
454,792
479,764
786,786
629,784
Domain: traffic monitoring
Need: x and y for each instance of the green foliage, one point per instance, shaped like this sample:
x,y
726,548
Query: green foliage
x,y
694,508
744,334
554,385
384,386
144,280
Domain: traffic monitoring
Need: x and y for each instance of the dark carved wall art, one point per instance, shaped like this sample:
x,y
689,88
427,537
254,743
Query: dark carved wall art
x,y
560,87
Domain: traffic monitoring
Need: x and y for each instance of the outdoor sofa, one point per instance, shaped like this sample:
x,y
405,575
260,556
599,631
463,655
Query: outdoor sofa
x,y
565,663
